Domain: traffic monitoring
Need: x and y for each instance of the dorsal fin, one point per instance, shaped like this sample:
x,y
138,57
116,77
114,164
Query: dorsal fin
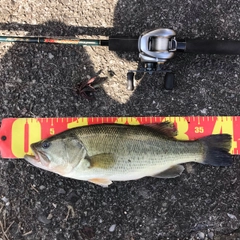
x,y
166,128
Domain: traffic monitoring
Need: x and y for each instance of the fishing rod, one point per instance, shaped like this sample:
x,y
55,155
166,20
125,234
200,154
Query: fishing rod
x,y
154,47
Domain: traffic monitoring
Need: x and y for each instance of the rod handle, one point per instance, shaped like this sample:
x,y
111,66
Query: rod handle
x,y
228,47
125,44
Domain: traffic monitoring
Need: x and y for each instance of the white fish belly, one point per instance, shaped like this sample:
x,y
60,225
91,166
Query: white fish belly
x,y
126,169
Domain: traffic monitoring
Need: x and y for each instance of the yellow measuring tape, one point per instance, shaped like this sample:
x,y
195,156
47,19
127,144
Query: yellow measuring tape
x,y
16,134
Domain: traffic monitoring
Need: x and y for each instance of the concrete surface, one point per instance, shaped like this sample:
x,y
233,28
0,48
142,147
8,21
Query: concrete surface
x,y
35,80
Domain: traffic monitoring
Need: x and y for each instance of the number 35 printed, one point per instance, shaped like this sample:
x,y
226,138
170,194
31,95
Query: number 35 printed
x,y
199,130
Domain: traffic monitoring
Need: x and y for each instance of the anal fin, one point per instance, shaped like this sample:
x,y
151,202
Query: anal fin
x,y
104,182
171,172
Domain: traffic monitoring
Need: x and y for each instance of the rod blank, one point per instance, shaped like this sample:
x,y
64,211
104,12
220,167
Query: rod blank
x,y
82,42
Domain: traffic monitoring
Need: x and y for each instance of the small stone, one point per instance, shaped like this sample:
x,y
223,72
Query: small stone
x,y
42,187
44,219
50,56
232,216
112,228
24,111
201,235
210,235
72,197
203,111
60,236
164,204
61,191
4,199
50,216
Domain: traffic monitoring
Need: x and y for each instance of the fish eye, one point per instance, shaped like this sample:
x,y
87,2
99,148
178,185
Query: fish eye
x,y
45,144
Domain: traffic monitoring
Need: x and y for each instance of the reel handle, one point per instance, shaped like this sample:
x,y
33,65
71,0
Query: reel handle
x,y
228,47
130,85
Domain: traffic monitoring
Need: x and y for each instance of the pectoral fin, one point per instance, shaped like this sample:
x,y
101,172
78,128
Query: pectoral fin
x,y
172,172
103,160
104,182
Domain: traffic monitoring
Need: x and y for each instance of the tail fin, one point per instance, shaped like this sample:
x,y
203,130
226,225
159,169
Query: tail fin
x,y
216,149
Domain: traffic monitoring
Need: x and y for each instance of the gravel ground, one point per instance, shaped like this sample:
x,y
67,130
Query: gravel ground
x,y
35,79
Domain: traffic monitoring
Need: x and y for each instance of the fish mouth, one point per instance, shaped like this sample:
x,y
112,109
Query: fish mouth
x,y
39,159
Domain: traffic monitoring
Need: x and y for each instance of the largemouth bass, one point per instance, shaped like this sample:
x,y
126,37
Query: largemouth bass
x,y
111,152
